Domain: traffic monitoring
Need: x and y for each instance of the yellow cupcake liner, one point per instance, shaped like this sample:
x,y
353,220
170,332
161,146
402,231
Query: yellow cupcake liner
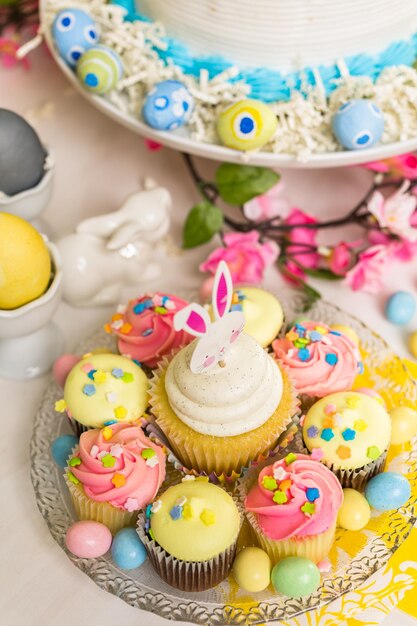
x,y
87,509
221,456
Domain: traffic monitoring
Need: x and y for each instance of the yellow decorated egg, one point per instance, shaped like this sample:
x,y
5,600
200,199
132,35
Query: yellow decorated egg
x,y
246,125
25,264
252,569
355,512
347,331
412,344
403,424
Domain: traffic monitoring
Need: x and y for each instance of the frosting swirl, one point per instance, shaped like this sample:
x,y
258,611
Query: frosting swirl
x,y
145,329
118,464
320,360
225,401
309,497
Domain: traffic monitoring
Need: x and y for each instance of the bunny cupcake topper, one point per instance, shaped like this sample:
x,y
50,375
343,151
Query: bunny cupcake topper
x,y
216,338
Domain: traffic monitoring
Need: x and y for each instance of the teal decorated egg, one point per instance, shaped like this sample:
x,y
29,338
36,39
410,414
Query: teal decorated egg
x,y
295,577
246,125
74,31
358,124
168,105
100,69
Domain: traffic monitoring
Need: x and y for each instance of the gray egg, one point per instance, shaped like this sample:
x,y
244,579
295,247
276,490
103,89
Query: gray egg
x,y
22,156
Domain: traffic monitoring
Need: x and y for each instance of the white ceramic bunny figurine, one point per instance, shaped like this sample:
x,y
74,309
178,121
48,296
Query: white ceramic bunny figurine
x,y
112,251
216,338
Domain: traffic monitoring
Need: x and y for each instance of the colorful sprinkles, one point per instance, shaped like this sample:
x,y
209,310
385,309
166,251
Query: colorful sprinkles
x,y
280,486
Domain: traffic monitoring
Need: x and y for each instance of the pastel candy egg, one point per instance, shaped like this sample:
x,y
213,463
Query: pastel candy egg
x,y
62,367
347,331
358,124
295,577
127,550
252,569
387,491
400,308
74,32
246,125
62,447
100,69
88,539
412,344
403,424
168,105
355,511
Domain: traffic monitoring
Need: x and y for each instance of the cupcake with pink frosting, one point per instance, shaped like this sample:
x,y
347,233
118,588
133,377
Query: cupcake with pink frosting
x,y
145,328
320,360
292,507
114,472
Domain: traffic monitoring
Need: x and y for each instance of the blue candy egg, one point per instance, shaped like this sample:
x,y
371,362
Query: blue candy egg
x,y
400,308
358,124
127,550
74,32
168,105
387,491
62,447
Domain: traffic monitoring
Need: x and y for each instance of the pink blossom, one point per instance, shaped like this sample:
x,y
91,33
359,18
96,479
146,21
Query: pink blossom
x,y
404,166
304,237
267,206
401,250
8,49
245,255
152,146
395,212
294,273
340,259
368,271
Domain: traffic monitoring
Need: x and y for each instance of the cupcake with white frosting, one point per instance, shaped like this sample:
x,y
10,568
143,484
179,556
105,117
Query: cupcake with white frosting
x,y
222,401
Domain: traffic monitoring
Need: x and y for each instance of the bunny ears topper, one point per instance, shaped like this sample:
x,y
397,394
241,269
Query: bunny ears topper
x,y
216,338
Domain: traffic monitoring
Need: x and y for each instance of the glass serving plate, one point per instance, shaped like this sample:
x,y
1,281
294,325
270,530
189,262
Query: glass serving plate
x,y
355,555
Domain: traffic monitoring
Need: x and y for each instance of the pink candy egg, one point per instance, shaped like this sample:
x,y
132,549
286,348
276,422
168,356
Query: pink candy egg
x,y
62,367
88,539
371,393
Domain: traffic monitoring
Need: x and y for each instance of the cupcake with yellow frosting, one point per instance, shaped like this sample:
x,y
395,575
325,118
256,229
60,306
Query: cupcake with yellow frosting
x,y
349,432
190,534
102,389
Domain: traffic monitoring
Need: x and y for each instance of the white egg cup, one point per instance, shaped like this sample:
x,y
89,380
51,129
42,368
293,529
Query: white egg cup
x,y
30,203
29,341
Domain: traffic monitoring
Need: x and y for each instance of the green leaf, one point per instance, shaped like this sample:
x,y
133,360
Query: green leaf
x,y
311,294
322,273
203,221
238,184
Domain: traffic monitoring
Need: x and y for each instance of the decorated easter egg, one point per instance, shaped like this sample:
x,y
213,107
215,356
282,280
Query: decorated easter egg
x,y
246,125
355,511
400,308
403,424
252,569
387,491
127,550
22,156
62,447
88,539
347,331
100,69
168,105
295,577
25,263
74,31
412,344
358,124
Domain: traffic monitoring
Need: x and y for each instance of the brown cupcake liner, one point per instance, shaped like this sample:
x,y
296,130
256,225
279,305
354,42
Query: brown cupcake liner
x,y
222,457
313,547
355,478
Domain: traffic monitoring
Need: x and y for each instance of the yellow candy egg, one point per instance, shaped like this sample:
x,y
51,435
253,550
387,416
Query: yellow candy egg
x,y
25,264
355,512
252,569
412,344
246,125
403,424
347,331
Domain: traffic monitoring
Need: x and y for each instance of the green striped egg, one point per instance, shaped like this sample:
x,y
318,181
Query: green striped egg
x,y
100,69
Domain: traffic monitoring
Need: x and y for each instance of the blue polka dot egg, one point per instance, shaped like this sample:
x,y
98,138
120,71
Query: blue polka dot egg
x,y
74,32
168,105
100,69
246,125
358,124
